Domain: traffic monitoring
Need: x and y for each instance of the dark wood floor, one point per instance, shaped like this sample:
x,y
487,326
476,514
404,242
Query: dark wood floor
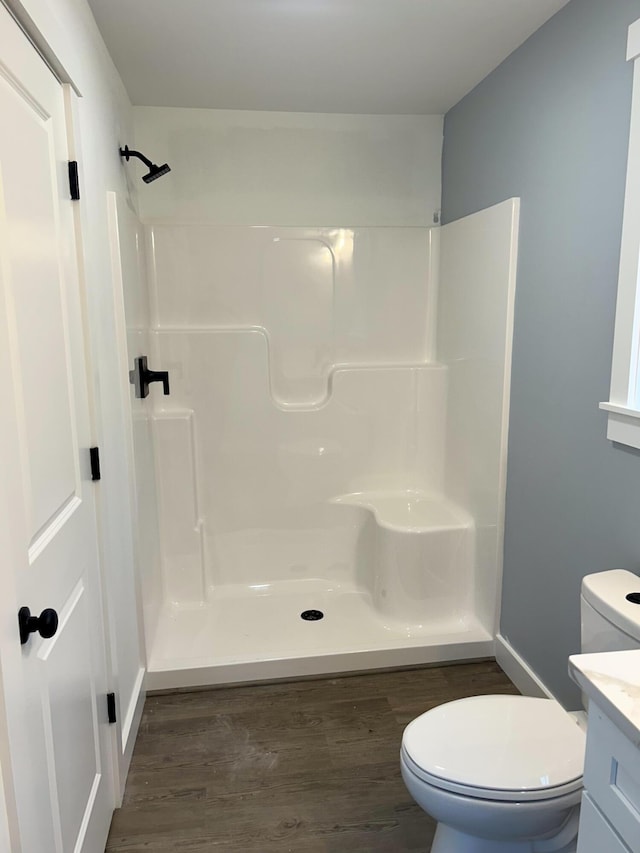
x,y
304,766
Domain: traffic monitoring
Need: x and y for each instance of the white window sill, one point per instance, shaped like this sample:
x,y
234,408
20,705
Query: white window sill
x,y
624,424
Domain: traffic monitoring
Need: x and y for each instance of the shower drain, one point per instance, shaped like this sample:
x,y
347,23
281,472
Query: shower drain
x,y
312,615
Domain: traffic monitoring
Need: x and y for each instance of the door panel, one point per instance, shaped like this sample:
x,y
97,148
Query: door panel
x,y
37,284
71,727
54,689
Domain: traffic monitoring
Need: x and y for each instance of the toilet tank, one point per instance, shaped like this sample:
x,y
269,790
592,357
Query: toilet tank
x,y
609,621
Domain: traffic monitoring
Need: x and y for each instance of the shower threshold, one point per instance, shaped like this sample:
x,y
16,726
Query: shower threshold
x,y
244,634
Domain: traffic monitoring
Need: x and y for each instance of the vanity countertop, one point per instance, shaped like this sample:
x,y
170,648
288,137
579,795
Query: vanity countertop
x,y
612,681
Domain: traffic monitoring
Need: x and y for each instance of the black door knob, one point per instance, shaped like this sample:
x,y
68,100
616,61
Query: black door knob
x,y
46,624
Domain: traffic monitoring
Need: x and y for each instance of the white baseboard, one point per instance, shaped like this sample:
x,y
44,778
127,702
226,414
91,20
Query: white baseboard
x,y
519,671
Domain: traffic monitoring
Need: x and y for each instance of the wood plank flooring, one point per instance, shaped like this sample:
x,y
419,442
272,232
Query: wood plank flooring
x,y
307,767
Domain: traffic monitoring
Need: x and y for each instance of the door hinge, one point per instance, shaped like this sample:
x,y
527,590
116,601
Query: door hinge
x,y
74,180
94,454
111,707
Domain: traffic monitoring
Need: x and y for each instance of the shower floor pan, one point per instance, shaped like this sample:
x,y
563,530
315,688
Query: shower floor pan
x,y
242,635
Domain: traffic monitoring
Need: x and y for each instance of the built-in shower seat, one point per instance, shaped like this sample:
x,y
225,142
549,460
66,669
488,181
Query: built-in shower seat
x,y
422,555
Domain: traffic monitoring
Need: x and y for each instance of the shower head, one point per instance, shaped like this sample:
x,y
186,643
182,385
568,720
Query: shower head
x,y
155,171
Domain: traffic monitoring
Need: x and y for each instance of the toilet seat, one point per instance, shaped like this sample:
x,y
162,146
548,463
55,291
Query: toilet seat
x,y
497,795
508,748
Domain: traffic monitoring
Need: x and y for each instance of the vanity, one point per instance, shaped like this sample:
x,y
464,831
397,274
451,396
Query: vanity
x,y
610,812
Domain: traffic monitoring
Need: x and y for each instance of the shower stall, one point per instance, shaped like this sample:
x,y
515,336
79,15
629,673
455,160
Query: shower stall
x,y
322,490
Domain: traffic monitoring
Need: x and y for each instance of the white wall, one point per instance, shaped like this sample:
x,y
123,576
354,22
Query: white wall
x,y
130,286
326,296
475,324
102,122
261,431
235,167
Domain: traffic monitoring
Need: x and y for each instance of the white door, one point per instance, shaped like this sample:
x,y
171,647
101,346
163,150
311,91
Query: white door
x,y
53,728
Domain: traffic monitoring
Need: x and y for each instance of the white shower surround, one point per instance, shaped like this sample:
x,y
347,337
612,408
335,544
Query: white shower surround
x,y
335,439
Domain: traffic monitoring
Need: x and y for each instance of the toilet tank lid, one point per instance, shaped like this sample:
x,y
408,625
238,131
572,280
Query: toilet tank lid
x,y
607,593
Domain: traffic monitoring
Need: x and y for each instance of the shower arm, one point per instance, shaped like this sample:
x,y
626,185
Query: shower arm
x,y
126,152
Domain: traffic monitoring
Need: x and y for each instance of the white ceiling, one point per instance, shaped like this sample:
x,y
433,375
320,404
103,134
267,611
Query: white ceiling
x,y
348,56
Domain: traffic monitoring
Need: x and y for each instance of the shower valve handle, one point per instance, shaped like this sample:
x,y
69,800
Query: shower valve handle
x,y
141,377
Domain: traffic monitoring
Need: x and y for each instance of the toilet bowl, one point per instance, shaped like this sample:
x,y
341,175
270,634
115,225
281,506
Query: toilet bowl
x,y
503,774
500,774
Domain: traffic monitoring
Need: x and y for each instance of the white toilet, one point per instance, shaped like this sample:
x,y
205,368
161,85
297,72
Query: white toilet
x,y
503,774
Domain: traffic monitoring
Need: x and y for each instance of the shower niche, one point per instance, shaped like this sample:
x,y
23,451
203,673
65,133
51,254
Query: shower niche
x,y
334,441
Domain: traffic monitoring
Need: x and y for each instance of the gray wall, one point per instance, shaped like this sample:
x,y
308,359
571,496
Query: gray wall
x,y
551,125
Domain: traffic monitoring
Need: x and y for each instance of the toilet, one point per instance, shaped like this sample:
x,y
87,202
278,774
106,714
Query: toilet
x,y
503,774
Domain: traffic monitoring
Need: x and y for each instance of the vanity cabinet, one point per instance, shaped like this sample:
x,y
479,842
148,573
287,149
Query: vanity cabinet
x,y
610,814
596,834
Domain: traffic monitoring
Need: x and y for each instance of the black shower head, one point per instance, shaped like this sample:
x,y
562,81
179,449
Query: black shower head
x,y
155,171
